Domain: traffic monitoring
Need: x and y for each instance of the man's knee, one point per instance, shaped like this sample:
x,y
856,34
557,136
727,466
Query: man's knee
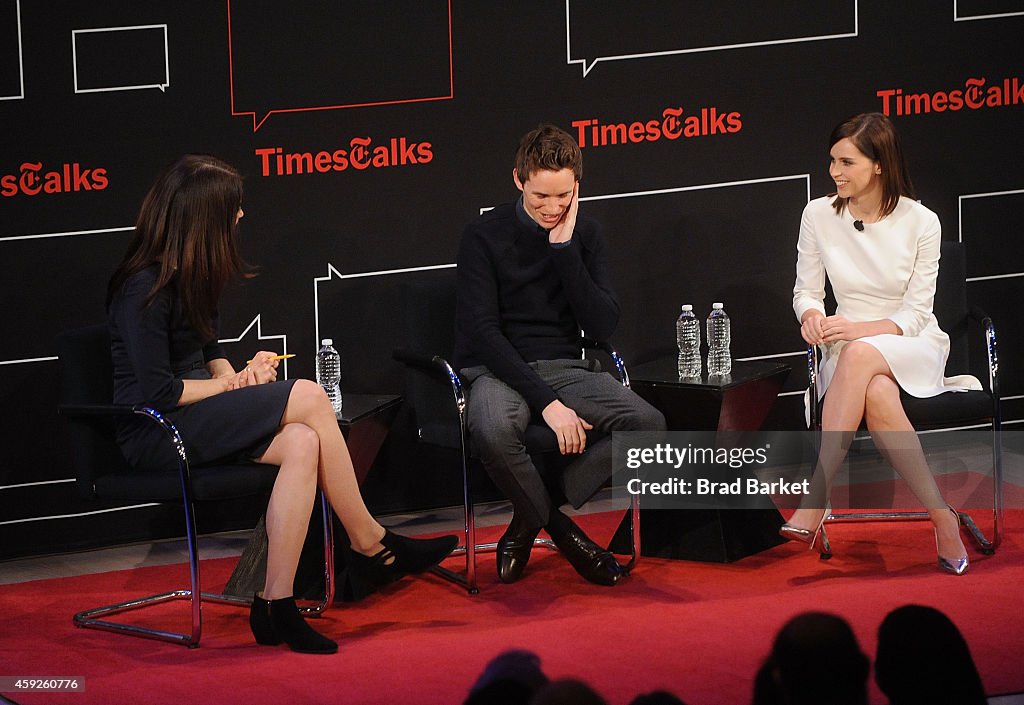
x,y
496,442
644,417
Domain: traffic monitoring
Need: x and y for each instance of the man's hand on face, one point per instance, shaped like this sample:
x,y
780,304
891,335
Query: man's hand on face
x,y
563,231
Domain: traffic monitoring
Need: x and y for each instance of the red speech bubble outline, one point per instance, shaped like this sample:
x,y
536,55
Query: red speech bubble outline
x,y
258,122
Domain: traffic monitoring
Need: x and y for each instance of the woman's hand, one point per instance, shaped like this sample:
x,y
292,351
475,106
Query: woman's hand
x,y
836,328
261,370
810,328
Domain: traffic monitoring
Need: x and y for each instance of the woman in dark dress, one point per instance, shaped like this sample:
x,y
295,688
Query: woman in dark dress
x,y
162,303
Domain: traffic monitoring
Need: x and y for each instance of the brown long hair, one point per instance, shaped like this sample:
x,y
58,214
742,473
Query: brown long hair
x,y
875,136
187,226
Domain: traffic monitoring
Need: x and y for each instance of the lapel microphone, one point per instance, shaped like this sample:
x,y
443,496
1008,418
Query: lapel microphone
x,y
859,225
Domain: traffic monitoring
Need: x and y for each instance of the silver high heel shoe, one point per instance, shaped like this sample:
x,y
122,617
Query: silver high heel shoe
x,y
816,540
956,566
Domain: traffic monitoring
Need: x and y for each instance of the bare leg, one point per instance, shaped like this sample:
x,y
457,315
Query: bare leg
x,y
295,450
308,405
893,433
843,410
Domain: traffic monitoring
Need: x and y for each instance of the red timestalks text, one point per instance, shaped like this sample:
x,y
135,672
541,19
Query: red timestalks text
x,y
67,178
359,154
671,125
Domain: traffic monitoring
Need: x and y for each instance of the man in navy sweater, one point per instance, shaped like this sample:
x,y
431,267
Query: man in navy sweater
x,y
531,276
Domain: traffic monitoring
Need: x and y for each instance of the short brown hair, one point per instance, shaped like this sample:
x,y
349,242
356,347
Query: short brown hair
x,y
548,148
875,136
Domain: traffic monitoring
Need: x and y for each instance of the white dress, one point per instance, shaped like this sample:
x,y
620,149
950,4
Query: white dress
x,y
886,271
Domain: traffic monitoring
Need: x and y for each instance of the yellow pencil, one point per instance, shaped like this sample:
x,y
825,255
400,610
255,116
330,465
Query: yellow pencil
x,y
276,357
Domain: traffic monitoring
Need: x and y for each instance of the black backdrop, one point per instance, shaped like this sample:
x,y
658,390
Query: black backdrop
x,y
370,133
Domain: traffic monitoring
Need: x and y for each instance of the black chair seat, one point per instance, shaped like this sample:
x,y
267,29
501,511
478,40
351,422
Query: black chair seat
x,y
212,483
945,410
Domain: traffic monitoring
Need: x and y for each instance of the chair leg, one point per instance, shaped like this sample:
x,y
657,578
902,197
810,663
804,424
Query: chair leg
x,y
92,619
997,484
469,546
329,584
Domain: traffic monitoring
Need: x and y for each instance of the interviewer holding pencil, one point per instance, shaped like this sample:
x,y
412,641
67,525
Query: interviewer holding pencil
x,y
162,305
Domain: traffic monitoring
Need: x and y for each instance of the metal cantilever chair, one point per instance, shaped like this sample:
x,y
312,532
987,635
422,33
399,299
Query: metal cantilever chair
x,y
972,409
102,473
436,393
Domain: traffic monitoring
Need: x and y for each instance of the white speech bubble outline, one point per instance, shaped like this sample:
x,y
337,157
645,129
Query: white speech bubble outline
x,y
258,322
960,227
21,61
968,18
37,236
167,63
698,50
333,273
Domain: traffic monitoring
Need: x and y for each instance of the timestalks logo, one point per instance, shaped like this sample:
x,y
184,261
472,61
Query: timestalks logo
x,y
360,154
974,95
671,125
33,181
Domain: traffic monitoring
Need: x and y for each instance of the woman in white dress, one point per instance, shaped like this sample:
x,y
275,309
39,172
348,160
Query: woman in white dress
x,y
880,250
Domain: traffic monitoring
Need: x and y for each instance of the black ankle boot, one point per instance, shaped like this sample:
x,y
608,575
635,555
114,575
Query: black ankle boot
x,y
274,621
402,556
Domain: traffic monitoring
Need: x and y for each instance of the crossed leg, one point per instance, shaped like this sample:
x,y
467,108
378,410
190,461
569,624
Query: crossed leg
x,y
863,388
311,453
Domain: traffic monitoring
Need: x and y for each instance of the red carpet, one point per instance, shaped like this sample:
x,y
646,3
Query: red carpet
x,y
699,630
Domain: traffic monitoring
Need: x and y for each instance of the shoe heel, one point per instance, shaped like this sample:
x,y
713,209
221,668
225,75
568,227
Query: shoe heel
x,y
821,544
956,566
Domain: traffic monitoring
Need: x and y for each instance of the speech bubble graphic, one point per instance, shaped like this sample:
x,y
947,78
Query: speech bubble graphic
x,y
349,55
982,224
12,70
240,348
362,313
597,32
966,10
98,56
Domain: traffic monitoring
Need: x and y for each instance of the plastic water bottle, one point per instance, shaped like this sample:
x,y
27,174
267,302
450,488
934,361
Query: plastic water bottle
x,y
328,373
688,339
719,338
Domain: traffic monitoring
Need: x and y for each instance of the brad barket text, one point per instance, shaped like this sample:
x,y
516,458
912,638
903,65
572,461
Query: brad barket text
x,y
704,487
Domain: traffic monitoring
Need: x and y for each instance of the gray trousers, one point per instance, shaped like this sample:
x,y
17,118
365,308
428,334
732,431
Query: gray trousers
x,y
497,417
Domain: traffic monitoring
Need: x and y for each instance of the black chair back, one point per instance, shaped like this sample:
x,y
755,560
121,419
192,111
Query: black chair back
x,y
950,305
428,310
87,379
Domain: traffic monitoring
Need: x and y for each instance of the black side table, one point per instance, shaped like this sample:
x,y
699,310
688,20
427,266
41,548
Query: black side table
x,y
365,421
737,402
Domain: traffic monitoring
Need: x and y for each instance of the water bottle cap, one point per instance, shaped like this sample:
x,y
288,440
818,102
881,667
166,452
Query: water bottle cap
x,y
687,307
327,341
717,305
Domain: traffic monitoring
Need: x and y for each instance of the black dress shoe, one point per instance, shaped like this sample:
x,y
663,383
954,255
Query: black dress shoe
x,y
513,553
591,561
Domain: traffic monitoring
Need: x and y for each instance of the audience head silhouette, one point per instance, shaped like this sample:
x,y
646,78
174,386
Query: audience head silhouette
x,y
567,691
815,660
923,659
510,678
